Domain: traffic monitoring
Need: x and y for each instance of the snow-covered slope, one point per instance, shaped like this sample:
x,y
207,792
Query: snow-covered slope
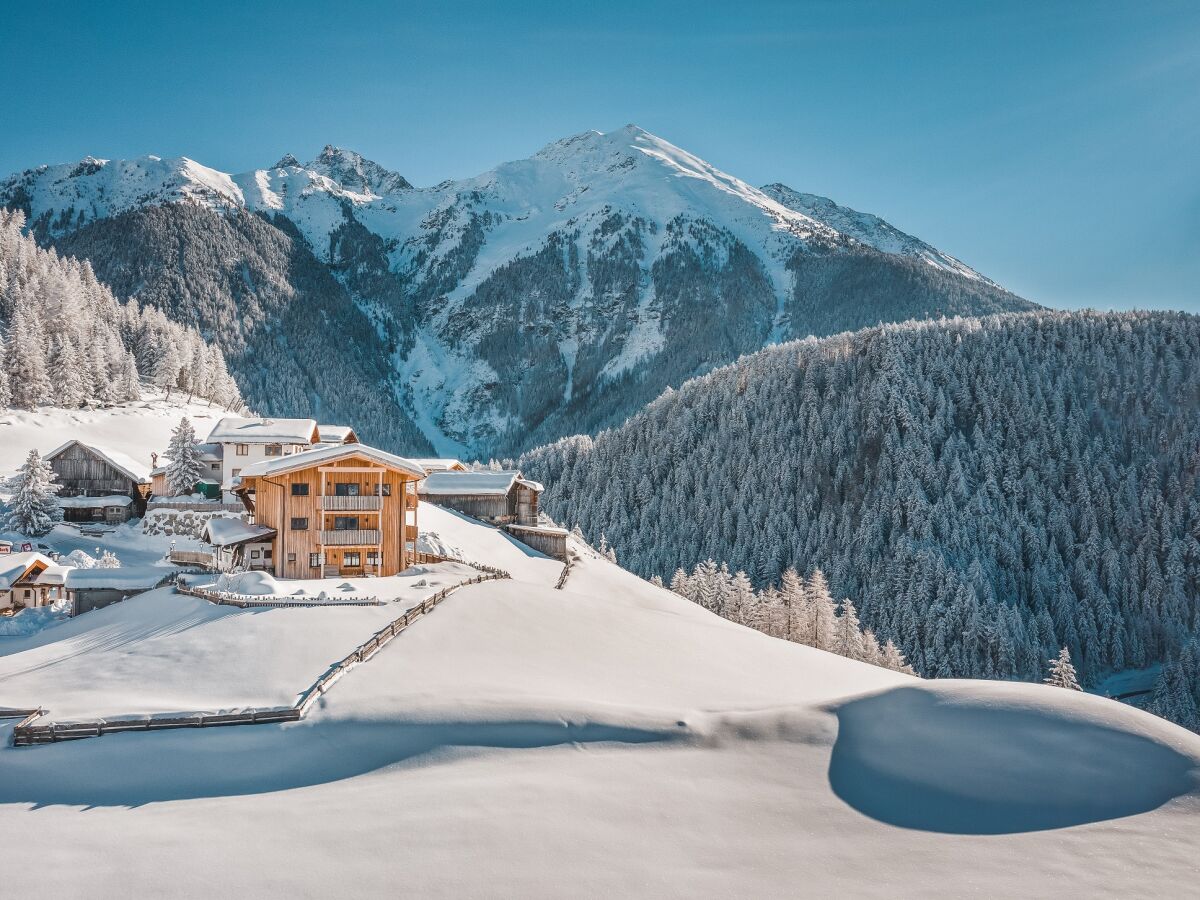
x,y
134,429
609,739
557,293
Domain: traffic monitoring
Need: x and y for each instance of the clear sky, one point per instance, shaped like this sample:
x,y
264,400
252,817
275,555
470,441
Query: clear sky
x,y
1054,146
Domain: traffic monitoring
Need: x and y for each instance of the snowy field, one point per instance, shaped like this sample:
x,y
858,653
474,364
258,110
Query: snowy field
x,y
609,739
164,652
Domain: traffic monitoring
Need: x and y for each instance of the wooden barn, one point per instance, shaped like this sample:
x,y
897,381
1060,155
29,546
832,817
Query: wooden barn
x,y
88,471
501,498
341,510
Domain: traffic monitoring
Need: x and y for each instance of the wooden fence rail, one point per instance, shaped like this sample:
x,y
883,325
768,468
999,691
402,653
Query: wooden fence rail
x,y
25,733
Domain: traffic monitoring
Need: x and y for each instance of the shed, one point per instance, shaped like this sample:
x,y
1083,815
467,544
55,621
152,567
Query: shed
x,y
86,470
238,544
501,498
95,588
112,509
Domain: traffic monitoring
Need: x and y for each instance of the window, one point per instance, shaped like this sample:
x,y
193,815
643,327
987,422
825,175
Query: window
x,y
243,449
372,557
351,559
345,523
267,553
346,489
300,489
254,554
236,473
216,467
291,557
274,450
299,524
314,560
387,490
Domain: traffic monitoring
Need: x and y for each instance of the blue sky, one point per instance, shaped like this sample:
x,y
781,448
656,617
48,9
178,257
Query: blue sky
x,y
1053,146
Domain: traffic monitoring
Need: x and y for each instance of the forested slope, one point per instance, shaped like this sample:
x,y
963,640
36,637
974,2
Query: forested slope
x,y
987,490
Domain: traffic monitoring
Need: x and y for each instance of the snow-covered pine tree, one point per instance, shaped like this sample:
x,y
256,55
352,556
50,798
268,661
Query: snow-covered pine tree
x,y
847,635
33,509
1062,673
824,611
186,467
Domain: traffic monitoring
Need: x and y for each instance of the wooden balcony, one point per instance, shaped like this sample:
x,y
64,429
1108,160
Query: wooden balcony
x,y
351,537
331,503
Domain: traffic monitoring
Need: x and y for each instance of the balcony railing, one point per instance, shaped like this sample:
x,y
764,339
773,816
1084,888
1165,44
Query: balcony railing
x,y
334,503
350,537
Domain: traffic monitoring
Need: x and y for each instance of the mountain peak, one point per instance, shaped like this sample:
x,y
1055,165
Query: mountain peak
x,y
356,173
286,162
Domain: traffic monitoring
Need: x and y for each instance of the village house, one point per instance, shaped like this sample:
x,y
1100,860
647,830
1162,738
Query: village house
x,y
336,434
96,588
340,510
211,456
98,484
440,465
28,580
500,498
245,442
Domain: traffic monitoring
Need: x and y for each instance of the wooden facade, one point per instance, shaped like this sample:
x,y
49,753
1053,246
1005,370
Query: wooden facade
x,y
348,516
516,503
85,471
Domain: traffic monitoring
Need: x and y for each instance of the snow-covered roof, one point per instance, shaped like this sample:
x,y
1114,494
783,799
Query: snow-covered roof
x,y
439,465
94,502
55,574
123,578
126,465
226,531
324,455
234,430
336,434
13,567
447,484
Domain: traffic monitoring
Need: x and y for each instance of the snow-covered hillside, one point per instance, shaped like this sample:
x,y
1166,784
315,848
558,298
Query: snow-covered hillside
x,y
547,296
607,739
134,429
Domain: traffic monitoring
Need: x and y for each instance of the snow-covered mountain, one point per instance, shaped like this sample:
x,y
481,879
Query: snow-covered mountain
x,y
550,295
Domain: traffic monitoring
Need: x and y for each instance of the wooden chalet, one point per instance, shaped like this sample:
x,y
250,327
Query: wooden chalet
x,y
339,510
94,479
501,498
28,580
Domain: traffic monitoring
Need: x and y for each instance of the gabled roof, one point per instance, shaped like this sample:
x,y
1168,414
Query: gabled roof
x,y
449,484
440,465
337,434
234,430
14,566
327,455
126,465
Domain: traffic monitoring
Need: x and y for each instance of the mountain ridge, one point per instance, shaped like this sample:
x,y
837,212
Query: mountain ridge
x,y
556,293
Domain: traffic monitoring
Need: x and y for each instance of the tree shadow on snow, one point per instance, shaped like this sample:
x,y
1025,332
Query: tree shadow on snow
x,y
133,769
912,758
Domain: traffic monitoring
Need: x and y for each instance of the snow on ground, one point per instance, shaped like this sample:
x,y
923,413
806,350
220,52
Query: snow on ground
x,y
609,739
162,652
134,429
476,542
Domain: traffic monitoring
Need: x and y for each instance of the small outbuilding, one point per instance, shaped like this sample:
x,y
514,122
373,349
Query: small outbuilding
x,y
96,588
111,510
86,470
239,545
501,498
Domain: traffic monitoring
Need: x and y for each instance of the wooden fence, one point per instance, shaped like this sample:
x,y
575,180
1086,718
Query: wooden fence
x,y
25,733
250,601
562,579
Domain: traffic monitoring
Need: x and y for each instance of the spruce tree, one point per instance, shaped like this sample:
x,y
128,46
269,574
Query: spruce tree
x,y
186,467
33,509
1062,673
